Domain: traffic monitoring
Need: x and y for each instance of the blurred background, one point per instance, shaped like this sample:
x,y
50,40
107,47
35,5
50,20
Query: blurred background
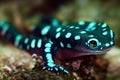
x,y
25,13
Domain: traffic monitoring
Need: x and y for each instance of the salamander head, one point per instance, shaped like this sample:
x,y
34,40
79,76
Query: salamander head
x,y
86,38
96,38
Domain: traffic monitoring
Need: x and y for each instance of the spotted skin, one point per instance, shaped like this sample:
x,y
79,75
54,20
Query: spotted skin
x,y
78,39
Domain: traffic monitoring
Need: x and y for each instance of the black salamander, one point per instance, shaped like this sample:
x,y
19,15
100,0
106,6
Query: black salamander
x,y
78,39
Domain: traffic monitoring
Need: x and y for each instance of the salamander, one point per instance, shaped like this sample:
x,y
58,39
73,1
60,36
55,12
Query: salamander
x,y
52,38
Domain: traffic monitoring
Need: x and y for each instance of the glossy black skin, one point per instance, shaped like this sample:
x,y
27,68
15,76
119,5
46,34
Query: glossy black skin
x,y
51,36
80,44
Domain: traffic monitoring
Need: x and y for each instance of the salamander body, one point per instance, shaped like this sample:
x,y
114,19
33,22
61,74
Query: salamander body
x,y
51,38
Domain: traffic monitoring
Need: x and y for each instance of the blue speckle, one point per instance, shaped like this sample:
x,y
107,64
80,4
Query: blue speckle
x,y
47,45
91,26
55,22
56,69
17,39
33,43
5,28
71,27
105,33
45,30
77,27
104,29
111,42
58,29
111,34
48,55
83,32
57,35
81,23
61,68
77,37
91,36
104,25
68,35
39,43
61,44
49,58
69,46
26,40
48,69
107,44
47,49
51,64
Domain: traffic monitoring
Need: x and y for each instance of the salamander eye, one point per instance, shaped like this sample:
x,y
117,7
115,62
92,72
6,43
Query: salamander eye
x,y
93,43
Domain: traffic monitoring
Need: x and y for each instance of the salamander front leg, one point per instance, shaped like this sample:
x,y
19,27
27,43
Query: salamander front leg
x,y
48,58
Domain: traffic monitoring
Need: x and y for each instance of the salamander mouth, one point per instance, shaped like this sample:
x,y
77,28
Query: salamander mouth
x,y
71,53
93,52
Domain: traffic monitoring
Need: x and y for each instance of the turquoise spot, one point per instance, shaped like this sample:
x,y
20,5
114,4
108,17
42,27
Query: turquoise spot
x,y
26,40
61,44
71,27
63,30
91,26
55,22
105,33
81,23
56,69
111,34
50,42
111,42
107,44
51,64
5,28
68,35
47,49
47,45
48,55
48,69
104,29
77,37
39,43
77,27
45,30
17,39
33,43
91,35
99,43
104,25
83,32
61,68
57,35
58,29
49,58
68,45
